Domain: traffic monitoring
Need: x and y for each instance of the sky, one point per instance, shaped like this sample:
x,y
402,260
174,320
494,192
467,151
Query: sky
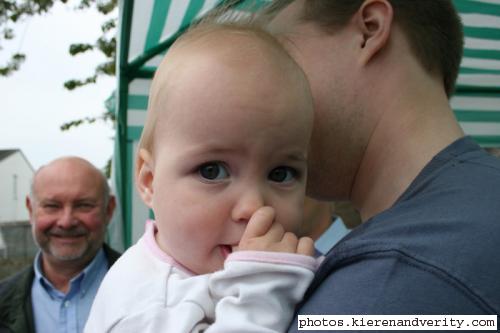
x,y
33,101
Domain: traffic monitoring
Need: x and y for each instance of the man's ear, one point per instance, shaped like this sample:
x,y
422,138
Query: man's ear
x,y
111,207
29,207
374,20
144,176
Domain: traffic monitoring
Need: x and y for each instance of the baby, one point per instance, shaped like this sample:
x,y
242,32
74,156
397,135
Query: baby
x,y
222,163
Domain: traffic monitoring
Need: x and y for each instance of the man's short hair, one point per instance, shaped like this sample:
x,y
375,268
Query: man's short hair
x,y
433,29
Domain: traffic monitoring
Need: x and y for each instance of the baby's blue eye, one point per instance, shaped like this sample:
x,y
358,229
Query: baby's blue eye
x,y
213,171
282,174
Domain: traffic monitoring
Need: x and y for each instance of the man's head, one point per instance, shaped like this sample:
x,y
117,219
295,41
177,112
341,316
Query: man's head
x,y
433,29
69,206
227,132
369,64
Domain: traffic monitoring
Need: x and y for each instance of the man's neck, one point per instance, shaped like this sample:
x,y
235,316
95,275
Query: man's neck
x,y
60,274
409,134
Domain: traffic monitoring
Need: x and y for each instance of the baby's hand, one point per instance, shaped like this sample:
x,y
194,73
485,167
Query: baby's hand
x,y
264,234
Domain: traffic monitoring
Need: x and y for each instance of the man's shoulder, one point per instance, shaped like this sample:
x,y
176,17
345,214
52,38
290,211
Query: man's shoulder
x,y
438,242
111,255
18,279
14,291
464,162
459,187
389,284
434,251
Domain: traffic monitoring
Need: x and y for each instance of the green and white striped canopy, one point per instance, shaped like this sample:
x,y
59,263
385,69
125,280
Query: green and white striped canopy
x,y
477,99
148,27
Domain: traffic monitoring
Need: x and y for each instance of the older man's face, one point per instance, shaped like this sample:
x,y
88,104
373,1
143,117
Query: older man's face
x,y
68,212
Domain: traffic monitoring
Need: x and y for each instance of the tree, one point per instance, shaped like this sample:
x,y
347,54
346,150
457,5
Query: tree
x,y
11,12
15,11
106,44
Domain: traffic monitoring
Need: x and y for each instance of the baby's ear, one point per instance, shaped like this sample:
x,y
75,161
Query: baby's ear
x,y
144,175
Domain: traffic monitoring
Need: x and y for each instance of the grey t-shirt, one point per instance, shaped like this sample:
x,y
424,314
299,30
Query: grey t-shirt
x,y
435,251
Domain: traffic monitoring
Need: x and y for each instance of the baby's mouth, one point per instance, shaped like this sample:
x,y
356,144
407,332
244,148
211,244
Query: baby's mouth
x,y
226,250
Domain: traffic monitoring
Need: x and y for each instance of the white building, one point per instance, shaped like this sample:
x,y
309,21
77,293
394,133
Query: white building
x,y
15,181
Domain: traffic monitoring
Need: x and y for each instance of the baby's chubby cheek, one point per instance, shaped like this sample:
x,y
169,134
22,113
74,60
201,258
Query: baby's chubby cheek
x,y
293,222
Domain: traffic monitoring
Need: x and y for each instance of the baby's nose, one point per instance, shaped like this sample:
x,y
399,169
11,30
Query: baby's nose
x,y
247,204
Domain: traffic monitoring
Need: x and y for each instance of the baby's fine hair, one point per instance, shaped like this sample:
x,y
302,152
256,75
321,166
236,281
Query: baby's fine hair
x,y
215,24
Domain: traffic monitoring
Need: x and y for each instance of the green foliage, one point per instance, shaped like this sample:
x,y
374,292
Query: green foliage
x,y
108,25
106,7
14,11
106,44
107,169
80,48
108,116
13,64
8,33
73,84
108,68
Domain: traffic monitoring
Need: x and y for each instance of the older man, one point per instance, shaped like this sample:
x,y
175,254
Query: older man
x,y
69,207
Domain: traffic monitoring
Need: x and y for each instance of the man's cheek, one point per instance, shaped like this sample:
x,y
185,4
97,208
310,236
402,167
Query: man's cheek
x,y
93,221
43,223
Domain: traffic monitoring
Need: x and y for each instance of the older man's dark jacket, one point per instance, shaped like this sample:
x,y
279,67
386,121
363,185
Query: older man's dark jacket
x,y
16,311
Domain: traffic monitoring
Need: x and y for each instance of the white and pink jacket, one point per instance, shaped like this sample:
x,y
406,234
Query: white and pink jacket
x,y
148,291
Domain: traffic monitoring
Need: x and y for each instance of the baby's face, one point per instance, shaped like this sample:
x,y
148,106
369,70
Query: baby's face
x,y
229,142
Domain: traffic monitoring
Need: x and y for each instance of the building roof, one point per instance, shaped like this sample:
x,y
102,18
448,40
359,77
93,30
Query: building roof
x,y
6,153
